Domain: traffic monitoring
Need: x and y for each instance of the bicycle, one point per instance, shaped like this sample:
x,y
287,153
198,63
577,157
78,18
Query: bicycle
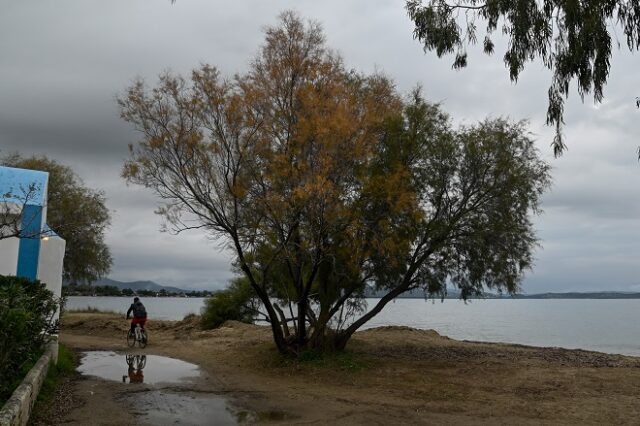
x,y
136,361
138,335
136,364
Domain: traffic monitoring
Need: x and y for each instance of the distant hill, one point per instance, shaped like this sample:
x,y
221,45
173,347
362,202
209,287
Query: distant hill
x,y
454,294
138,285
415,294
579,295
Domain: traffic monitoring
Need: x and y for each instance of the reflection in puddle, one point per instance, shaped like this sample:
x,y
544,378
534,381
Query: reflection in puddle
x,y
167,408
136,365
150,369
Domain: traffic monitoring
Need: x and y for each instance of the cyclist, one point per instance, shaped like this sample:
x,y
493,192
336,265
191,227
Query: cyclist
x,y
139,314
135,375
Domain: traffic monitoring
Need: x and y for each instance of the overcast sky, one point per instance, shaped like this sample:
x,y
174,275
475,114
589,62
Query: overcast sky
x,y
62,63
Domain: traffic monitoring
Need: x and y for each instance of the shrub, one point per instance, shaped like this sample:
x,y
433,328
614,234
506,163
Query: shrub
x,y
26,318
237,302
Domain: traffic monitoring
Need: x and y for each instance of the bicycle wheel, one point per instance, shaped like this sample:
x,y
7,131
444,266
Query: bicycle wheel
x,y
141,362
130,359
131,339
143,339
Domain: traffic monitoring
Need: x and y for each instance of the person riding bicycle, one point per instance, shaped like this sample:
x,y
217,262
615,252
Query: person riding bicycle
x,y
139,314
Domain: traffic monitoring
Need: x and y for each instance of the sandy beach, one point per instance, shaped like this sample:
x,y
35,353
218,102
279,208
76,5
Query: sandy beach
x,y
390,375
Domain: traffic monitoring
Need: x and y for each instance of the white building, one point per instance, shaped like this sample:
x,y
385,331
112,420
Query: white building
x,y
39,252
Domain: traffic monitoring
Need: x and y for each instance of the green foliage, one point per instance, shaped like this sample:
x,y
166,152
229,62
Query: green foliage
x,y
78,214
189,317
16,378
237,302
26,315
571,38
65,367
74,289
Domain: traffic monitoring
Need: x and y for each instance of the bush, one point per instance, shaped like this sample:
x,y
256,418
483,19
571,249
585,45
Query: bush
x,y
26,317
237,302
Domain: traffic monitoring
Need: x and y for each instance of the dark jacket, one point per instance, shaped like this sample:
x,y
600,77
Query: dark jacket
x,y
138,310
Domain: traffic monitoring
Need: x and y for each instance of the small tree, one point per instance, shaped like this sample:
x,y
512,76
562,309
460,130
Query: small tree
x,y
325,182
237,302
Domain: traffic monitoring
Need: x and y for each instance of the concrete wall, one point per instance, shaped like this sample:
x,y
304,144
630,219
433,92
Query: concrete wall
x,y
50,264
9,256
17,410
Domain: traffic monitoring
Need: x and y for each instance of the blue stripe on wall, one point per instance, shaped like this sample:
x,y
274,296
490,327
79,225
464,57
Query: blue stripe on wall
x,y
29,250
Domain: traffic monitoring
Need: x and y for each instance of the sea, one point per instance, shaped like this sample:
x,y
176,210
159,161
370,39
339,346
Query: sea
x,y
604,325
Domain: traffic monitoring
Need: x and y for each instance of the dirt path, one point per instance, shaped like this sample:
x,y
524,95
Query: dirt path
x,y
125,386
101,404
391,375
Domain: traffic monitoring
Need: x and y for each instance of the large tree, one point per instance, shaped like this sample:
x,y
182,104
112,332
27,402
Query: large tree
x,y
571,38
325,183
78,214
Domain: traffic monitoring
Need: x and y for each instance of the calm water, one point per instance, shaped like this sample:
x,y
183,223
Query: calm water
x,y
602,325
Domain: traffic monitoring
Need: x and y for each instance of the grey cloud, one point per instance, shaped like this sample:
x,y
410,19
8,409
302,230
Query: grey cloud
x,y
62,64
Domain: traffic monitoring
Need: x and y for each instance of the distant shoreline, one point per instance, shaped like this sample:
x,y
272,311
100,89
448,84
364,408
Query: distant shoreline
x,y
573,295
114,288
541,296
601,295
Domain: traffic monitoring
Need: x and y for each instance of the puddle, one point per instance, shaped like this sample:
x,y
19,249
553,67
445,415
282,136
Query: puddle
x,y
150,369
160,406
168,409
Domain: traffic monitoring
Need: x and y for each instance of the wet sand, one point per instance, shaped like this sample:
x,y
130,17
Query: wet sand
x,y
391,375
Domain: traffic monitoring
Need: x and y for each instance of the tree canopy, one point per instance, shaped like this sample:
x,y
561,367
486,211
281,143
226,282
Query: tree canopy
x,y
78,214
325,183
571,38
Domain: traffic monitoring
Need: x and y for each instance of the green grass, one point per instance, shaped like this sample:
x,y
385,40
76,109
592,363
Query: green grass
x,y
314,360
344,360
65,367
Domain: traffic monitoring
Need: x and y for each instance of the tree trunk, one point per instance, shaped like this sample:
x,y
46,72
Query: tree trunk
x,y
283,320
302,323
341,339
278,336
